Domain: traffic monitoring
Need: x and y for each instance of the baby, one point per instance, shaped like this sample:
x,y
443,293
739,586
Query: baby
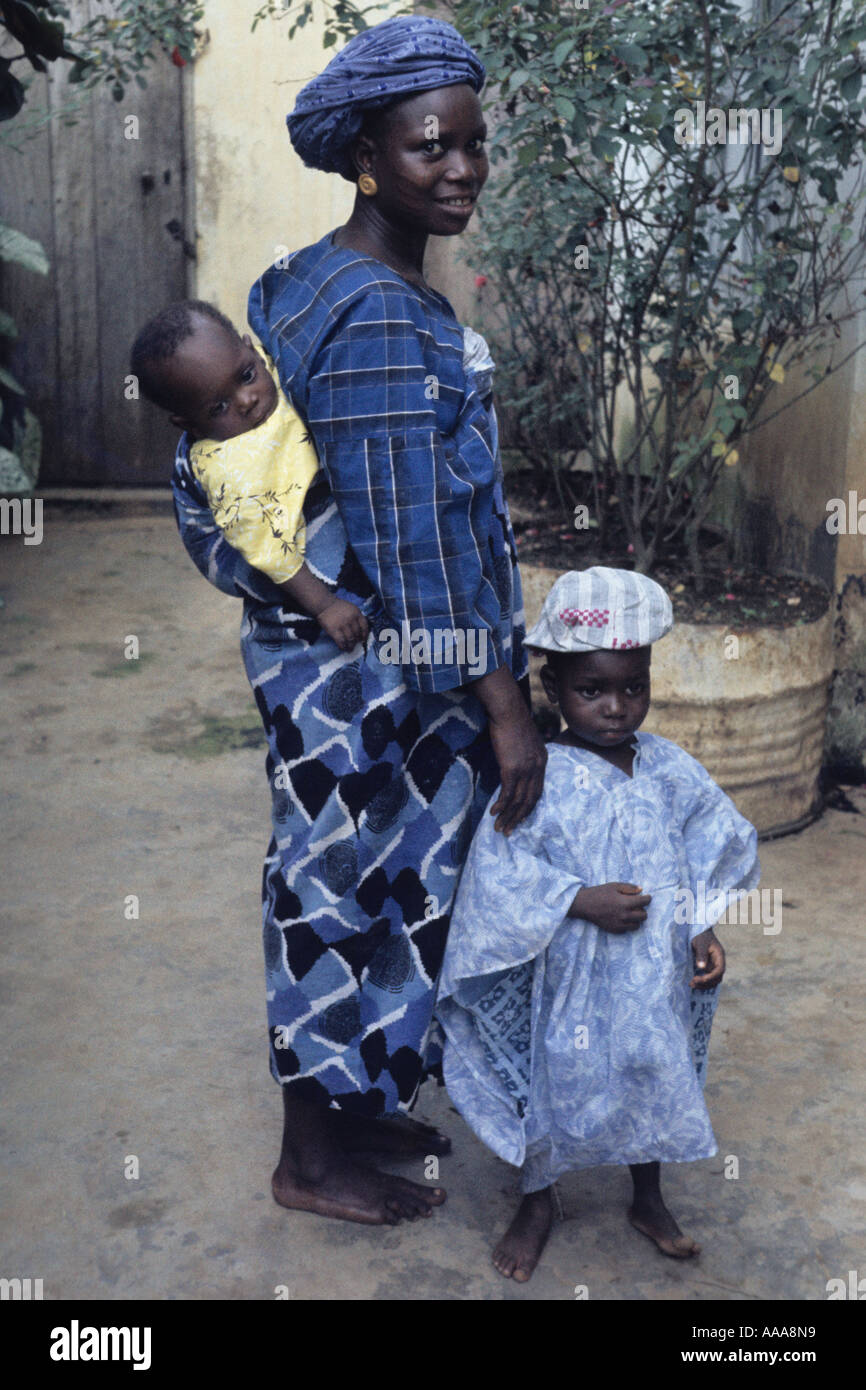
x,y
577,994
251,451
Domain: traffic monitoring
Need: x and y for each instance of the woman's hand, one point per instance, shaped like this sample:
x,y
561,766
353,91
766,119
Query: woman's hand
x,y
709,960
613,907
517,746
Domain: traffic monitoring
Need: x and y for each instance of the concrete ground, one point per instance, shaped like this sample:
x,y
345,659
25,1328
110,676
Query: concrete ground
x,y
145,1038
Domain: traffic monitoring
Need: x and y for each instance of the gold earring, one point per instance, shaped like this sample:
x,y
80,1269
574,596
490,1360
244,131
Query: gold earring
x,y
368,185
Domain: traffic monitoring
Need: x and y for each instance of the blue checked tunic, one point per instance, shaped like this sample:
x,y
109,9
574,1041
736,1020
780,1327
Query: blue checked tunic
x,y
567,1046
375,365
378,772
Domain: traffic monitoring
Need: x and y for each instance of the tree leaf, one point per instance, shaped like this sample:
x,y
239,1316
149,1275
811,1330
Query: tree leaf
x,y
23,250
9,381
632,55
850,85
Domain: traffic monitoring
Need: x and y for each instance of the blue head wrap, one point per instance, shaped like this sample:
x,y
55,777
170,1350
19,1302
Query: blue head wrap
x,y
399,57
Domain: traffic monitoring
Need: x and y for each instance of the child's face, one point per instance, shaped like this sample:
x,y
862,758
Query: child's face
x,y
604,696
219,384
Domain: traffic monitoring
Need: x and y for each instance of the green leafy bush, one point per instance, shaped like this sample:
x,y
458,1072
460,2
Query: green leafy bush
x,y
651,292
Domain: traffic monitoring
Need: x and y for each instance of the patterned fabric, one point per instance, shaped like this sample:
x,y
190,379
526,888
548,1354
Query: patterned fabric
x,y
375,366
585,617
568,1046
397,58
255,485
376,786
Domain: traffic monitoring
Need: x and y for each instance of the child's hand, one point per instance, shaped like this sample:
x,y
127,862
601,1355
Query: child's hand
x,y
344,622
614,907
709,960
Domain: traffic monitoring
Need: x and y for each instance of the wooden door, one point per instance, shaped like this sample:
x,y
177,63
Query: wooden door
x,y
106,197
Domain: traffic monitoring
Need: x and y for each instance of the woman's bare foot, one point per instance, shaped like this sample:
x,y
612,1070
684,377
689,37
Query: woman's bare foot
x,y
520,1248
351,1191
649,1215
394,1134
316,1174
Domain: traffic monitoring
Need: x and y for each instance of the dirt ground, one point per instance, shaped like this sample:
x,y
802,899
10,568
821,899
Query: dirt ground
x,y
144,1037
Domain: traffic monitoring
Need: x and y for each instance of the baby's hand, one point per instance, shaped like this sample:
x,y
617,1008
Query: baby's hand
x,y
344,623
614,907
709,960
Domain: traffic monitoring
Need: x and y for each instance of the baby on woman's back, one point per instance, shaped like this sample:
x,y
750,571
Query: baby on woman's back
x,y
251,453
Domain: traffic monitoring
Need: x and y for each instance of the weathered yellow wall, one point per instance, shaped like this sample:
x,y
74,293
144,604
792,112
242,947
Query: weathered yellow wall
x,y
792,467
252,193
851,555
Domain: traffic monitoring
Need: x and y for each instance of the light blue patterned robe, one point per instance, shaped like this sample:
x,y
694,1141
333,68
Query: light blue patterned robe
x,y
568,1046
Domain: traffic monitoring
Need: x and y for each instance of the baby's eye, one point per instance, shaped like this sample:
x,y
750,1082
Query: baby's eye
x,y
250,373
637,689
218,408
429,145
588,692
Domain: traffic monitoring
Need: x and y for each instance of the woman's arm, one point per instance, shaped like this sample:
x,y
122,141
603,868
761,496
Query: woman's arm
x,y
517,745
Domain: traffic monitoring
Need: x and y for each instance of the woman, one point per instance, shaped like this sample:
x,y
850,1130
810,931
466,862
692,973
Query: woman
x,y
380,768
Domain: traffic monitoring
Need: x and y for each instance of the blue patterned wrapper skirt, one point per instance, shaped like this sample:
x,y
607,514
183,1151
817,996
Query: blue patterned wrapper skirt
x,y
376,792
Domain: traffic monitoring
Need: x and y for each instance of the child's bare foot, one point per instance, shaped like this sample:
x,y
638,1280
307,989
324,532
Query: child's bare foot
x,y
520,1248
651,1217
394,1134
351,1191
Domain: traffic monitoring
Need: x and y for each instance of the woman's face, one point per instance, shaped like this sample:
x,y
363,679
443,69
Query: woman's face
x,y
428,158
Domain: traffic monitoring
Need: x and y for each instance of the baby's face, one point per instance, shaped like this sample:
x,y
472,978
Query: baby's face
x,y
604,696
219,384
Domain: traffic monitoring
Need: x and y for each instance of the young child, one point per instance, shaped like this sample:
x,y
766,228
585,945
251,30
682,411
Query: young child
x,y
576,1020
252,453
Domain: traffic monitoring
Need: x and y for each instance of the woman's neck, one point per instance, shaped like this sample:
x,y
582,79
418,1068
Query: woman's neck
x,y
402,248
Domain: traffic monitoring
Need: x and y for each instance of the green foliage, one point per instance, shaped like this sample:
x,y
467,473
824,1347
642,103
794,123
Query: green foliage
x,y
114,46
20,434
678,280
342,18
23,250
686,278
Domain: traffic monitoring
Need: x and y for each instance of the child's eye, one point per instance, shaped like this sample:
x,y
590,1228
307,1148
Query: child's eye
x,y
637,689
250,373
428,144
218,408
588,692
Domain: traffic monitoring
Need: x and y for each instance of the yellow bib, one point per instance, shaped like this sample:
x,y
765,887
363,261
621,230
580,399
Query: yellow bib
x,y
256,484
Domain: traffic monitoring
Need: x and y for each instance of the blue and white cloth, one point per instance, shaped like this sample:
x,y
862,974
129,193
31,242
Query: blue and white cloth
x,y
400,57
378,773
374,365
567,1046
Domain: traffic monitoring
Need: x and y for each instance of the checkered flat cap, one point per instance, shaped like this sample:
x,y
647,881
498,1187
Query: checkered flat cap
x,y
601,608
